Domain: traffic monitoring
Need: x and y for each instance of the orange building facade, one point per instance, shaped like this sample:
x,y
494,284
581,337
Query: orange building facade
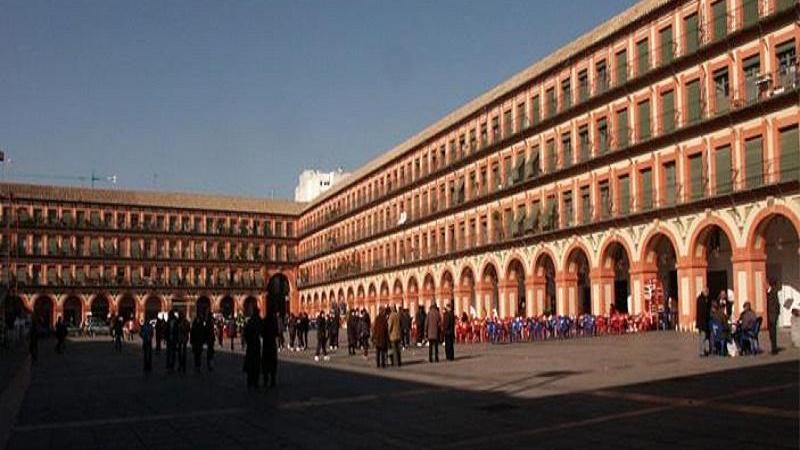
x,y
651,157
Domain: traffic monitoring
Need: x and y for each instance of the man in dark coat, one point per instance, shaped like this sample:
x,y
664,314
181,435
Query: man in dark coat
x,y
146,333
701,321
364,328
432,324
405,327
161,328
198,339
61,334
118,325
335,323
305,324
184,328
269,351
209,326
773,311
322,338
352,332
449,322
420,321
380,337
252,355
171,336
291,325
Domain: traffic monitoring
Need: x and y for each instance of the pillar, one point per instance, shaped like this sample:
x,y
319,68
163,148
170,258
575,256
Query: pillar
x,y
567,283
750,281
641,273
531,306
691,280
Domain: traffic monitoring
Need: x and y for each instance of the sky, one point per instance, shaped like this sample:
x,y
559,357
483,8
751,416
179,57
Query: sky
x,y
238,97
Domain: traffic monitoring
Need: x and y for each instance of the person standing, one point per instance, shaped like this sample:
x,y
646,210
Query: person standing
x,y
380,338
405,327
161,327
420,322
61,334
364,328
291,324
198,338
209,325
146,333
184,329
322,338
335,324
171,336
352,332
773,311
118,325
432,323
395,336
269,352
449,333
251,335
701,321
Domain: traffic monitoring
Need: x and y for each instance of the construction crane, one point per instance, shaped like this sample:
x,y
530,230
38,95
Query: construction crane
x,y
92,179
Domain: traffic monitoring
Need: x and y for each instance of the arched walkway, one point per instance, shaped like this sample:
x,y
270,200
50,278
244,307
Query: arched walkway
x,y
73,311
278,291
490,291
44,312
227,307
615,280
100,308
468,296
656,278
202,306
250,304
446,294
577,283
544,285
127,308
515,289
152,307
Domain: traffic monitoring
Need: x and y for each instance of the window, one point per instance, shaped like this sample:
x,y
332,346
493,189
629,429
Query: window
x,y
605,200
508,122
601,79
602,136
644,119
668,111
786,54
751,68
534,168
624,184
586,204
750,11
583,142
667,46
622,67
697,180
646,176
583,85
623,130
642,56
669,183
495,129
719,13
507,171
724,169
522,116
566,94
551,102
692,33
484,135
535,114
552,157
566,150
790,153
721,90
754,162
568,212
693,101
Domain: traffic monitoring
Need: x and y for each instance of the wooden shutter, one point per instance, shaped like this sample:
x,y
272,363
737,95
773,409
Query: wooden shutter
x,y
624,194
622,67
647,189
692,33
693,100
623,129
723,163
720,17
667,51
696,176
669,183
643,56
790,154
754,162
644,120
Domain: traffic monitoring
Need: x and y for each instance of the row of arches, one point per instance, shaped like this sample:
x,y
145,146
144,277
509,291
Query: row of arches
x,y
573,280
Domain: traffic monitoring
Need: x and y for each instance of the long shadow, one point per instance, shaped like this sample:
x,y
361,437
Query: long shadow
x,y
319,406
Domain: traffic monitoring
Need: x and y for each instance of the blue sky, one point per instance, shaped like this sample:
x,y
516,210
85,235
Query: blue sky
x,y
238,97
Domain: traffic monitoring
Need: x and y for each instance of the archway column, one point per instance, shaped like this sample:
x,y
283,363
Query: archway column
x,y
483,298
532,306
641,273
508,296
691,280
568,285
750,280
601,284
461,303
563,278
539,298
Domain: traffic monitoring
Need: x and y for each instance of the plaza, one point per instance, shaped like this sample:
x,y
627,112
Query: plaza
x,y
633,391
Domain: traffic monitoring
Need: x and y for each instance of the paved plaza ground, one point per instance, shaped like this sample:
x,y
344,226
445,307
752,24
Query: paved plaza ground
x,y
635,391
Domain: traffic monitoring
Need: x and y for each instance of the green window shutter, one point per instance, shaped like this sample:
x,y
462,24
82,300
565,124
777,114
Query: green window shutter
x,y
790,154
622,67
723,161
551,102
720,17
624,195
647,189
693,100
602,136
668,111
507,170
692,33
785,4
754,162
750,10
669,183
536,116
667,50
566,149
696,176
644,120
623,130
583,141
605,201
586,205
643,56
552,157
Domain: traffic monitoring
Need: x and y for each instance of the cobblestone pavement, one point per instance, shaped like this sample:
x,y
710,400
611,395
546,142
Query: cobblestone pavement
x,y
635,391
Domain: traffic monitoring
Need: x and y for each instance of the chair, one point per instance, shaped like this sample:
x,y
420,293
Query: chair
x,y
716,338
749,339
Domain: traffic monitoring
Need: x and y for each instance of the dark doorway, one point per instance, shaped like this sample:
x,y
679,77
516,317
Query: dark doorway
x,y
621,293
717,282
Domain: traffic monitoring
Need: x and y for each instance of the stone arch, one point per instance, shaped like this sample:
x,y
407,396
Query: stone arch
x,y
202,305
467,284
515,287
711,247
647,255
44,308
544,283
697,246
227,307
73,312
100,307
614,276
385,293
126,307
153,305
446,291
490,289
279,289
489,259
658,273
576,280
755,236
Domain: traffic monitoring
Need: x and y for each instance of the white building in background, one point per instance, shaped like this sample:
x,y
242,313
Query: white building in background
x,y
312,183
